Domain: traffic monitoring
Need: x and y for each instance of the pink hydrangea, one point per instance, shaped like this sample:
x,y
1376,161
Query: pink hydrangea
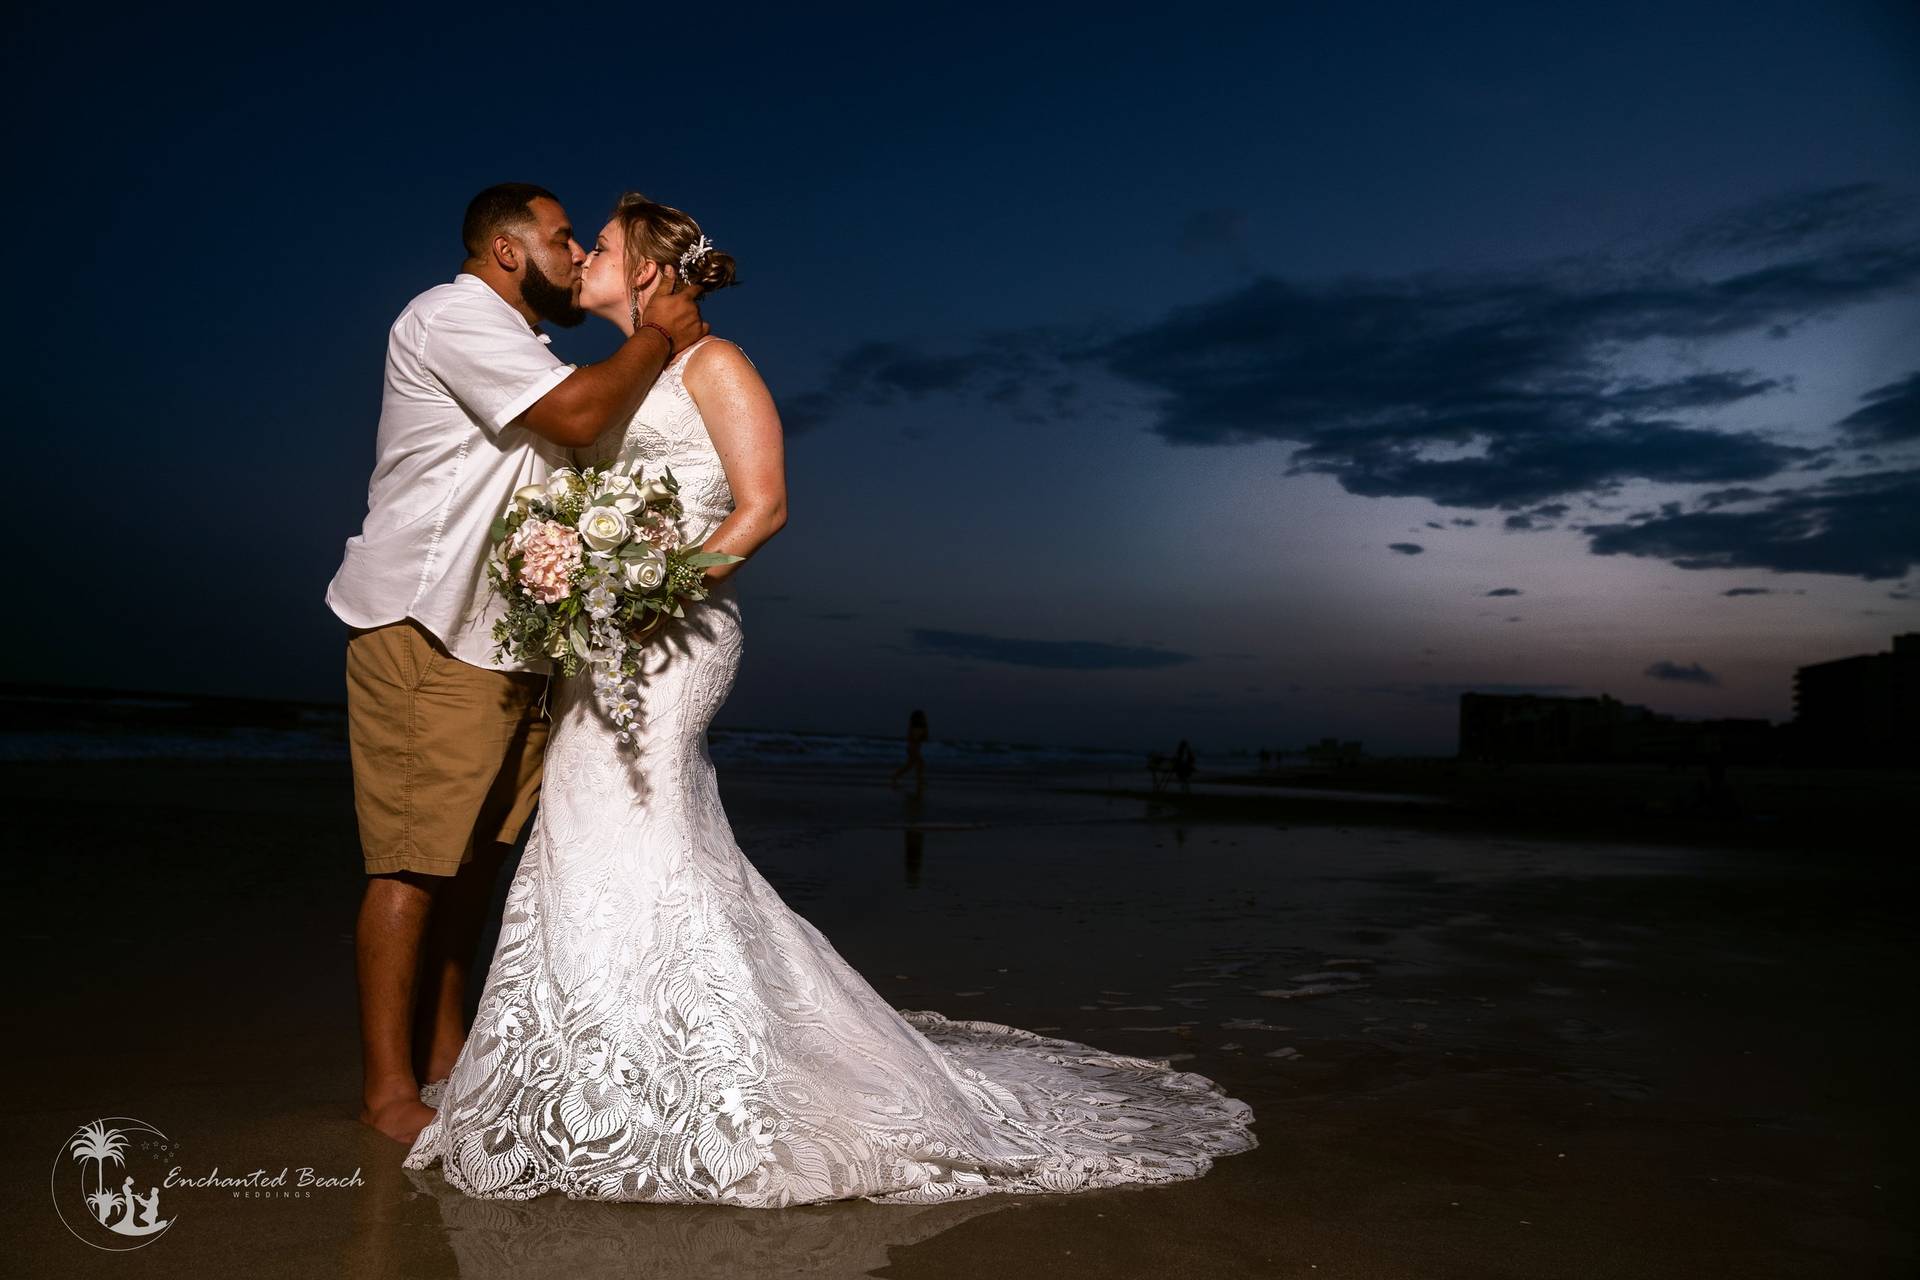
x,y
659,530
550,553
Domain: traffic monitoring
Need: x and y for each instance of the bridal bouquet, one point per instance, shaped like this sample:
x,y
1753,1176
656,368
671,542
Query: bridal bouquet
x,y
591,564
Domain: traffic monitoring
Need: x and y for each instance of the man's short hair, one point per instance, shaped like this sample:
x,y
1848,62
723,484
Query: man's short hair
x,y
497,209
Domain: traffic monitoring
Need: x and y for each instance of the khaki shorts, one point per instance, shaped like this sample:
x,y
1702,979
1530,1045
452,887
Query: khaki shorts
x,y
444,753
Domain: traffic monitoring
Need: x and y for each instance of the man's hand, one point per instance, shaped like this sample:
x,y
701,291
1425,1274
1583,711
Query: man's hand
x,y
675,312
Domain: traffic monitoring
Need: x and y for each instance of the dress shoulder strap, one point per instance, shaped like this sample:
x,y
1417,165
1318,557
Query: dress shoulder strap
x,y
680,358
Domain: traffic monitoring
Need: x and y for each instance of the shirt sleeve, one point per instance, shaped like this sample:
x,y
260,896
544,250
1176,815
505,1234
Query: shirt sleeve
x,y
490,361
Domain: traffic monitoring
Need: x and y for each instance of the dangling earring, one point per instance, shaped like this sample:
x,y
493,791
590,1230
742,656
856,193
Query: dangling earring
x,y
633,305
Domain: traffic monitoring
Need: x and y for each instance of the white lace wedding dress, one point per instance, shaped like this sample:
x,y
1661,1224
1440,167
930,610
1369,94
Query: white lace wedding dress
x,y
658,1025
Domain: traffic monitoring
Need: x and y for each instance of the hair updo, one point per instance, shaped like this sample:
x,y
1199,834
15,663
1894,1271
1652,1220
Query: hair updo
x,y
662,233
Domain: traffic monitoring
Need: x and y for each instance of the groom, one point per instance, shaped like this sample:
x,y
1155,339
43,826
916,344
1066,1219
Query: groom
x,y
446,742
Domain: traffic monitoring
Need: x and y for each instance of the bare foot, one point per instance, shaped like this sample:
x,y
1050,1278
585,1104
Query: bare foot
x,y
402,1119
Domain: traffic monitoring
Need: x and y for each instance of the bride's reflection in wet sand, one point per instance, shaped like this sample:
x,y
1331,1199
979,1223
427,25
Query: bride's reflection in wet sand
x,y
574,1238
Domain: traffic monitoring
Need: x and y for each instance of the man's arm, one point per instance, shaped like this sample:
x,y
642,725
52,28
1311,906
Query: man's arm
x,y
595,397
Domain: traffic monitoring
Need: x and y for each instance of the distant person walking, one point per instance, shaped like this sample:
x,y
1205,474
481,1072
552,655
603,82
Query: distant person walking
x,y
916,734
1183,763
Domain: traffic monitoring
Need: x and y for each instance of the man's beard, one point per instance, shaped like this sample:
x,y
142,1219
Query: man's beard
x,y
551,302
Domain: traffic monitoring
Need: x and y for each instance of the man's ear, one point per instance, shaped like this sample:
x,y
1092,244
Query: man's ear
x,y
506,254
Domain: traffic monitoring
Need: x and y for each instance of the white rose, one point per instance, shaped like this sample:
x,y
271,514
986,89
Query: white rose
x,y
562,482
655,490
526,495
604,528
645,572
618,492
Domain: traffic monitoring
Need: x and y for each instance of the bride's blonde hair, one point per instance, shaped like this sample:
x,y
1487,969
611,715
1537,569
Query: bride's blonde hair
x,y
662,233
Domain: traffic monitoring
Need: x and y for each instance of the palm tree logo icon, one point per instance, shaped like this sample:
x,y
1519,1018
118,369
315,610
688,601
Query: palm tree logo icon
x,y
116,1218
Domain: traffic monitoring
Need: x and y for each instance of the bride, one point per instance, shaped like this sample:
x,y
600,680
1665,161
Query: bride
x,y
657,1024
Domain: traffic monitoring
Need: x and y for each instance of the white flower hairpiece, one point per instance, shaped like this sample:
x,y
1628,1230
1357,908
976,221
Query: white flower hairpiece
x,y
695,251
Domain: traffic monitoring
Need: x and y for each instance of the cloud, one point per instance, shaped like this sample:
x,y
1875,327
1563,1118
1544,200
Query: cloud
x,y
1019,373
1726,497
1369,377
1692,673
1508,390
1449,691
1861,525
1504,591
1747,591
1518,391
1792,219
1406,548
1079,655
1891,415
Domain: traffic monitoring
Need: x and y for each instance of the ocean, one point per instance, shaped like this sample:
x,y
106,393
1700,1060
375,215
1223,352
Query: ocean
x,y
52,724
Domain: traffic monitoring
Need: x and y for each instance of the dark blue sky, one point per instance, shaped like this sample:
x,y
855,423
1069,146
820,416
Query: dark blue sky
x,y
1247,374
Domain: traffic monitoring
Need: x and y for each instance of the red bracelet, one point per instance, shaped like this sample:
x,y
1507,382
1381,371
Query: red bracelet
x,y
648,324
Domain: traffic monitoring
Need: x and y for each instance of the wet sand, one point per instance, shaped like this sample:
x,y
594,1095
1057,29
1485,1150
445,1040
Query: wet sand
x,y
1470,1054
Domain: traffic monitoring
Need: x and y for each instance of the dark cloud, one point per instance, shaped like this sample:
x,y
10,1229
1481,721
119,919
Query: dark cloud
x,y
1365,376
835,617
1891,414
1692,673
1080,655
1793,219
1726,497
1865,526
1020,373
1540,517
1504,591
1747,591
1508,391
1370,377
1449,691
1406,548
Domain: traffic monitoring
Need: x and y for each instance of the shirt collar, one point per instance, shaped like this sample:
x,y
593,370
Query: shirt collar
x,y
466,279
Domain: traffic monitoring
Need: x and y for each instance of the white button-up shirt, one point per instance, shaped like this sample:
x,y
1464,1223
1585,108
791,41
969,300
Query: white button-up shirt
x,y
462,366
